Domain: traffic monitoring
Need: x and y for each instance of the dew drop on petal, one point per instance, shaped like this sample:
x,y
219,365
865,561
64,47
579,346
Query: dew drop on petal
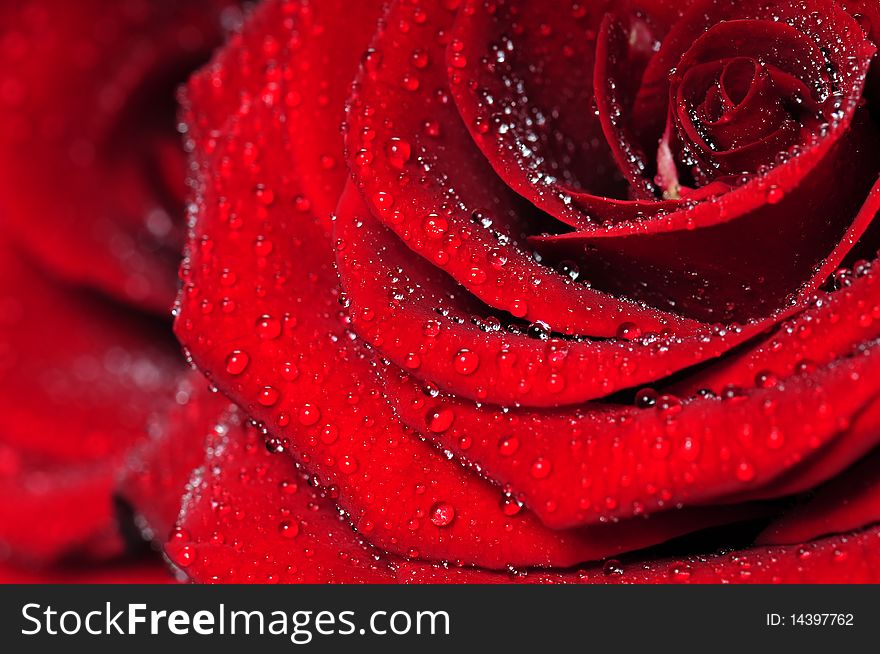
x,y
268,328
745,471
308,414
540,469
508,445
628,331
466,362
435,226
348,464
288,529
398,151
236,362
775,195
431,329
268,396
509,505
442,514
440,419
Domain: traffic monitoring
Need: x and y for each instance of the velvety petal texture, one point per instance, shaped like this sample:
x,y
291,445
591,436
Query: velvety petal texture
x,y
90,157
473,291
571,298
91,197
74,401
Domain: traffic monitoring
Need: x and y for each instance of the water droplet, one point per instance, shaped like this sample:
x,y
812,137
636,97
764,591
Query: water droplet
x,y
466,362
419,59
431,329
775,195
383,201
509,505
268,328
289,371
265,196
442,514
432,128
329,434
440,419
477,276
555,383
309,414
497,258
508,445
435,226
288,529
540,330
541,468
766,379
263,247
775,438
668,406
612,567
745,471
268,396
237,362
183,556
519,308
410,82
628,331
348,464
372,60
679,572
398,151
363,158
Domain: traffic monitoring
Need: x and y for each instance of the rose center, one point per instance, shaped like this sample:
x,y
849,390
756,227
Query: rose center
x,y
735,105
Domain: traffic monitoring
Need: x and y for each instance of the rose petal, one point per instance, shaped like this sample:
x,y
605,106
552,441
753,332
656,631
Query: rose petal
x,y
529,100
850,558
712,272
444,200
250,516
834,324
590,464
848,502
74,401
89,155
427,324
115,572
158,472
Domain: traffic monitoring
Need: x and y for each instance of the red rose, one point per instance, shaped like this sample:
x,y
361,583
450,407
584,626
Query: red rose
x,y
92,196
93,174
571,282
534,212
